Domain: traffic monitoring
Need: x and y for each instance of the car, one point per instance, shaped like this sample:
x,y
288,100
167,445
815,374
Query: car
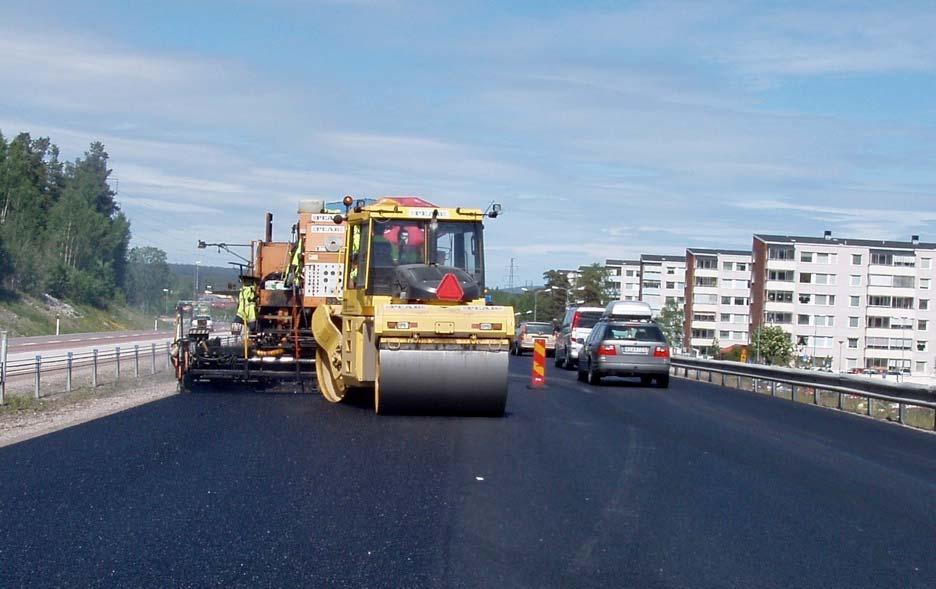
x,y
576,325
625,348
202,321
528,331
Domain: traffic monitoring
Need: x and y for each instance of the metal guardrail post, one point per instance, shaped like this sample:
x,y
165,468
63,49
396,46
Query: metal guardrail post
x,y
68,372
3,366
136,361
94,368
38,371
153,359
773,388
117,367
168,355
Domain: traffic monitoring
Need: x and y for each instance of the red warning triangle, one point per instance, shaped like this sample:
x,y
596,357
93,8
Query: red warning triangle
x,y
449,289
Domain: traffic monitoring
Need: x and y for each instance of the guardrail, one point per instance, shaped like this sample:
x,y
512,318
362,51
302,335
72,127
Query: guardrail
x,y
912,405
56,373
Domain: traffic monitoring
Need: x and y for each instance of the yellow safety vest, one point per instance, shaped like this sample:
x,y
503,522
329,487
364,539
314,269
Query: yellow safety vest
x,y
247,304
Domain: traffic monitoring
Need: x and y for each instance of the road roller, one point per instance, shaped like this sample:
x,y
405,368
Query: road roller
x,y
412,326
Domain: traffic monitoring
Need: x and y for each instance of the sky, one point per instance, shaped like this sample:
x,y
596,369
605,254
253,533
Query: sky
x,y
605,129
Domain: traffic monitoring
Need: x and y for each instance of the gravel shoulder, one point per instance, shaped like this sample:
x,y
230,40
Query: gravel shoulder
x,y
24,418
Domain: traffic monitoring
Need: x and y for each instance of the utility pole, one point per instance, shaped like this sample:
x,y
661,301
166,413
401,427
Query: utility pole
x,y
196,281
510,274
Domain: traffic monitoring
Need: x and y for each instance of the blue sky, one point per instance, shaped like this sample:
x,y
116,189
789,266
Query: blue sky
x,y
606,129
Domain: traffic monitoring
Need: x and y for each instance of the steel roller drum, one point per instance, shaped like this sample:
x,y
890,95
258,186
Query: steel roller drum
x,y
456,382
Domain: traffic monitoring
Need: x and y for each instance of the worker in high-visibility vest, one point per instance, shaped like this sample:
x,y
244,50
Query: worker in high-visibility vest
x,y
294,269
247,306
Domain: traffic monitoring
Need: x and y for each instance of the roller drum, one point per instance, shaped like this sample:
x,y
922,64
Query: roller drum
x,y
458,382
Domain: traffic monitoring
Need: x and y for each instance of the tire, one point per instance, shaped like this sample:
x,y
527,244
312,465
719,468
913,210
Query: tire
x,y
594,378
581,373
662,382
556,361
646,381
567,360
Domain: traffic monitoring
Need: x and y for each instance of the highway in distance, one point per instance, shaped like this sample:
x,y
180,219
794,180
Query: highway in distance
x,y
578,486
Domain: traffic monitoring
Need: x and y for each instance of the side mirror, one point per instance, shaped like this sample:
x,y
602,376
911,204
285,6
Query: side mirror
x,y
494,210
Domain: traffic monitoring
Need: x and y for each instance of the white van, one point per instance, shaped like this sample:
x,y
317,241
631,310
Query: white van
x,y
576,325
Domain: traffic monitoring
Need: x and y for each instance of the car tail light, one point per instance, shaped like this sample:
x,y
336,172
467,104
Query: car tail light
x,y
607,350
661,352
575,320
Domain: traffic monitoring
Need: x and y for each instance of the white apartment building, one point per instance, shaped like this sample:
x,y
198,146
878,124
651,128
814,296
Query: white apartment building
x,y
624,279
848,303
662,279
718,294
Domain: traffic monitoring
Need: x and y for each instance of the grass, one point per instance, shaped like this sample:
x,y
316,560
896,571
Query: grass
x,y
23,315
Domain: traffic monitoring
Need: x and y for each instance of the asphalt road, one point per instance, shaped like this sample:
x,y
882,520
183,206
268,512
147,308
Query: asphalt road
x,y
614,486
22,346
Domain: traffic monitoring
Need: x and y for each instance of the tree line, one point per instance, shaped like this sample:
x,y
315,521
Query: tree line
x,y
62,231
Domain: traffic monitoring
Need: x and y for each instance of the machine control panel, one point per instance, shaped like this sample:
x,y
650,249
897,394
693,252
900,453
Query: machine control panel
x,y
324,280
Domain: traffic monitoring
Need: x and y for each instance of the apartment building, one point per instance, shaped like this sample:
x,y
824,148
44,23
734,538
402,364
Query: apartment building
x,y
624,279
717,294
662,279
848,303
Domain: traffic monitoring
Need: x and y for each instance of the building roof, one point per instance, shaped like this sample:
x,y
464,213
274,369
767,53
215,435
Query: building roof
x,y
908,245
622,262
656,258
699,251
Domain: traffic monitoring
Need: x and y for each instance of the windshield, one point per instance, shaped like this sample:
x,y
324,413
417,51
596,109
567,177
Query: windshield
x,y
539,328
398,242
640,333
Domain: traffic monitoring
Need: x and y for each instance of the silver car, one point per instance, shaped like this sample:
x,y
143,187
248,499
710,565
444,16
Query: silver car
x,y
625,348
528,332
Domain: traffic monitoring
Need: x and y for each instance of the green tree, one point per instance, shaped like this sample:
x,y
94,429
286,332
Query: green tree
x,y
672,321
773,345
147,275
714,349
591,285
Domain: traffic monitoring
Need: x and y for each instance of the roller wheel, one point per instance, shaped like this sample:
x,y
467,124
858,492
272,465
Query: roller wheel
x,y
332,389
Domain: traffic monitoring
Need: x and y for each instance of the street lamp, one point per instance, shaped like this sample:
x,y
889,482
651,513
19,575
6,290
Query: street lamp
x,y
197,263
167,291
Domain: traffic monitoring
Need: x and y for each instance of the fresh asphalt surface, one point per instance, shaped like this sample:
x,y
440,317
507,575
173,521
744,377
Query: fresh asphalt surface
x,y
611,486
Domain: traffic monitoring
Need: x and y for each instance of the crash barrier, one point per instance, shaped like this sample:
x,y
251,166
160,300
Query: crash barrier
x,y
538,373
912,405
49,374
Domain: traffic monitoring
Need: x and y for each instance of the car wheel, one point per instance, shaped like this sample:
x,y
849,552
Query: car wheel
x,y
662,381
646,381
567,360
581,373
594,378
556,362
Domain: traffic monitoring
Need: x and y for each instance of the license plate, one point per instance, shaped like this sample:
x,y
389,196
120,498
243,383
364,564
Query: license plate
x,y
633,350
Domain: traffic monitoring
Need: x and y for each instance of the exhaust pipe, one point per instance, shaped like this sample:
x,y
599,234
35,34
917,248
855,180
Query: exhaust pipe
x,y
268,235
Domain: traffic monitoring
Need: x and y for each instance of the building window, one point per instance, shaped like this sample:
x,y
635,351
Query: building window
x,y
705,281
824,279
856,259
853,343
925,263
780,253
740,267
825,300
854,280
922,324
724,334
779,296
924,283
920,367
921,346
779,318
854,301
802,319
670,285
805,257
728,266
854,321
903,282
726,300
740,301
878,322
805,277
780,275
629,273
924,304
670,270
825,258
